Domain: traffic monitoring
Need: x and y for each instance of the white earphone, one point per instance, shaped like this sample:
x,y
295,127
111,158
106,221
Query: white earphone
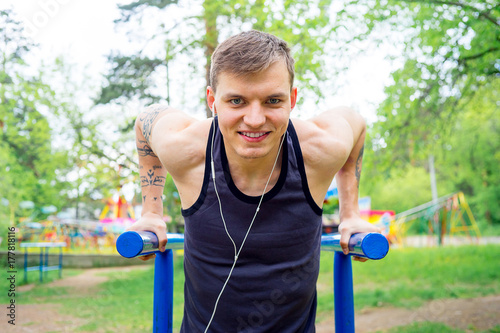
x,y
236,252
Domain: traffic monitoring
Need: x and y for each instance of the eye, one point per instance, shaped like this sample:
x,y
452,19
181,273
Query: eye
x,y
236,101
274,100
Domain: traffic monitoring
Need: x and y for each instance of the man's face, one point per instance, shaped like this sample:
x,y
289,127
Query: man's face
x,y
253,110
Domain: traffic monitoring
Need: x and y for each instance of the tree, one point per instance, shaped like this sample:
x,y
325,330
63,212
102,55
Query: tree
x,y
438,100
29,160
98,157
304,24
451,49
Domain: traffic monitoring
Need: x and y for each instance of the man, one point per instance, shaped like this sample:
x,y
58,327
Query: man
x,y
251,184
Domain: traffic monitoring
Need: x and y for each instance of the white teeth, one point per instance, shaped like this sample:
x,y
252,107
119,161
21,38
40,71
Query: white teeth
x,y
253,135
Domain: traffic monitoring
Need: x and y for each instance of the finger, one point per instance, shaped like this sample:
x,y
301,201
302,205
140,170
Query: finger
x,y
360,259
162,239
147,257
344,240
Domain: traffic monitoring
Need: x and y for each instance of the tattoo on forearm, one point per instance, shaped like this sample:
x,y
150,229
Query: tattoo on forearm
x,y
148,118
145,150
358,164
151,180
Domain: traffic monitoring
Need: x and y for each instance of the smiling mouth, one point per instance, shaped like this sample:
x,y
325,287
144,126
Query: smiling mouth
x,y
253,135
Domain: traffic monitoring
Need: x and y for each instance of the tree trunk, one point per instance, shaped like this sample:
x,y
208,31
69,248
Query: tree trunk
x,y
210,41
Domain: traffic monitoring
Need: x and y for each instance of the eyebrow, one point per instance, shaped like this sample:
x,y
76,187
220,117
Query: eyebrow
x,y
231,95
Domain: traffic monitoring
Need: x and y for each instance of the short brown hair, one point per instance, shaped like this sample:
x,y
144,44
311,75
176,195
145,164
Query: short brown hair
x,y
250,52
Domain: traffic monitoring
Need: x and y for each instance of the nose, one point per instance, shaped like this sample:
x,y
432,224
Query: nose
x,y
255,116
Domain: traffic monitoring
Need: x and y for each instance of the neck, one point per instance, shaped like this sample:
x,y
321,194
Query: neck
x,y
251,175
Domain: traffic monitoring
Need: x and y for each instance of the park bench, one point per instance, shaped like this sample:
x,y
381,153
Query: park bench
x,y
369,245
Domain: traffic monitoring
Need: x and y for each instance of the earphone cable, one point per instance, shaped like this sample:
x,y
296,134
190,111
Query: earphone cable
x,y
237,253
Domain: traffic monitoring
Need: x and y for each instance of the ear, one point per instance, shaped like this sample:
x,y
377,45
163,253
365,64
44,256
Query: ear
x,y
211,100
293,97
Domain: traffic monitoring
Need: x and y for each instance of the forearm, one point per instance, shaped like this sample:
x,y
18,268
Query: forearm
x,y
152,174
348,179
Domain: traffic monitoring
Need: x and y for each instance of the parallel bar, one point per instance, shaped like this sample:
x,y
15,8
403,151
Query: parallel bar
x,y
372,245
43,244
367,245
50,268
131,244
163,292
26,265
60,262
343,293
41,264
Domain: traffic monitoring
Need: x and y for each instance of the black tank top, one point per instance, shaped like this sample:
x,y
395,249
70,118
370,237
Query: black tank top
x,y
273,286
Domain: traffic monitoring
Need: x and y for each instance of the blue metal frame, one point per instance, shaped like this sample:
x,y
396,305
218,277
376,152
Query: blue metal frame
x,y
368,245
43,262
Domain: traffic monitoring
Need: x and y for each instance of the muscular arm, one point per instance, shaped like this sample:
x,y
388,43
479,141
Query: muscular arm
x,y
151,171
349,175
152,174
162,145
350,129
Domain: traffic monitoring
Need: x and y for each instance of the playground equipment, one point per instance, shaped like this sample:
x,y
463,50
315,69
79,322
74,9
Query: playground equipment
x,y
43,264
117,210
447,215
369,245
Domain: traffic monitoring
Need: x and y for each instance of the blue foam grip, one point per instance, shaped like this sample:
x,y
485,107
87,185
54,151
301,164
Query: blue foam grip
x,y
367,245
129,244
375,246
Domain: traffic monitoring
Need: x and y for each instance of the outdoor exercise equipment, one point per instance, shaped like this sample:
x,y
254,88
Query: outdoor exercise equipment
x,y
369,245
43,264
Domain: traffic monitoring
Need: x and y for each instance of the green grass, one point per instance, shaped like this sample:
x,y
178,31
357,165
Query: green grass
x,y
122,304
411,276
430,327
33,278
405,278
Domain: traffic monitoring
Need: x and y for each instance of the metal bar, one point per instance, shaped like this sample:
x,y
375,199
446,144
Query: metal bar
x,y
40,264
343,293
163,303
43,244
131,244
46,263
367,245
60,262
25,265
372,245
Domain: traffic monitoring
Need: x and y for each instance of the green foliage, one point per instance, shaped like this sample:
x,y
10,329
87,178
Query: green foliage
x,y
443,101
28,157
130,76
304,24
402,190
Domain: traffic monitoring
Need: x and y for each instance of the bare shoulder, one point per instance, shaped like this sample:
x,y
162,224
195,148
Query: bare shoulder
x,y
183,148
328,138
177,139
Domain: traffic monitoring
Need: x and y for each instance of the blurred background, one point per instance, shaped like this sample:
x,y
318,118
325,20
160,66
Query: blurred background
x,y
74,75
